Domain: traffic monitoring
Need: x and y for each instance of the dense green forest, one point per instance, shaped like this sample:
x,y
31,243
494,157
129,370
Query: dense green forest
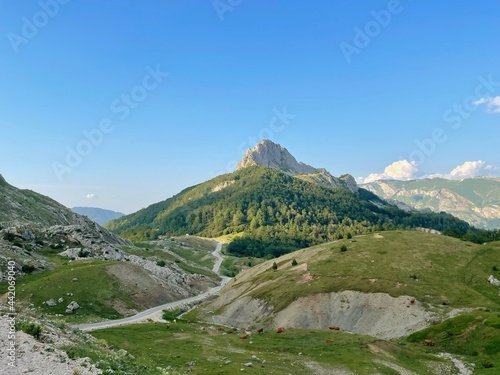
x,y
282,211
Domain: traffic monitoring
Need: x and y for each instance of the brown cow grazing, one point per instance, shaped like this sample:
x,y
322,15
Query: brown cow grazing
x,y
243,337
280,330
222,328
329,341
334,328
412,301
428,342
230,331
168,326
260,330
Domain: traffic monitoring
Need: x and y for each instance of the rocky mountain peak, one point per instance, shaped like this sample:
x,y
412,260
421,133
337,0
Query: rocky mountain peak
x,y
272,155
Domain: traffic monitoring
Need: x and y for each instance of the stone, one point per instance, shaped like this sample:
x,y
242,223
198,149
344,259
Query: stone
x,y
73,306
493,281
51,302
60,300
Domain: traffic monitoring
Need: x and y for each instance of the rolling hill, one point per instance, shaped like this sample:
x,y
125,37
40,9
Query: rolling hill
x,y
366,291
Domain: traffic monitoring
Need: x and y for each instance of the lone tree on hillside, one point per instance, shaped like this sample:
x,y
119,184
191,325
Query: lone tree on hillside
x,y
275,266
343,247
294,262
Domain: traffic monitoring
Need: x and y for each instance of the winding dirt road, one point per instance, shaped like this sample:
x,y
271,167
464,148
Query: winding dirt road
x,y
153,312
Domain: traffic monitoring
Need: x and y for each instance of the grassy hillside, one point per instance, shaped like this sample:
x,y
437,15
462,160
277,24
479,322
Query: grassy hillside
x,y
112,290
474,335
435,269
293,351
270,205
96,291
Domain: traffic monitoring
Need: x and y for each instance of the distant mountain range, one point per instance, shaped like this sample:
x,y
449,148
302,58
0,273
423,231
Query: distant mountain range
x,y
99,215
475,200
272,197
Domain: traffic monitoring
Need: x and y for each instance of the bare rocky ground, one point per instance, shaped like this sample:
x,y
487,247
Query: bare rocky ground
x,y
374,314
41,357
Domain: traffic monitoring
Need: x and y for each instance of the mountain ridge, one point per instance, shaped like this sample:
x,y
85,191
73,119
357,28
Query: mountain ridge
x,y
475,200
100,215
272,155
285,209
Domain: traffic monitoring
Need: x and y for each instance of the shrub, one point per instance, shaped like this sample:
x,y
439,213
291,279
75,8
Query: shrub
x,y
27,268
414,277
349,236
161,263
173,313
487,364
9,236
294,262
494,268
275,266
83,253
30,328
343,247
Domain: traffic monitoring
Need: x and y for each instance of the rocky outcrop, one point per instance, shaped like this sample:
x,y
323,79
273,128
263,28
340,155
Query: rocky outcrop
x,y
493,281
272,155
96,242
72,307
172,277
29,216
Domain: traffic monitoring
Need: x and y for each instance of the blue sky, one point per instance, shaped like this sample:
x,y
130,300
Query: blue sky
x,y
172,92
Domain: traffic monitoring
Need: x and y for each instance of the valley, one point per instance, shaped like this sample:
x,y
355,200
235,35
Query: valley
x,y
278,268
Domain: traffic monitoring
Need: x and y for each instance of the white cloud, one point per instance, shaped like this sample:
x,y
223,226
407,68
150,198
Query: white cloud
x,y
399,170
92,196
471,169
403,170
492,104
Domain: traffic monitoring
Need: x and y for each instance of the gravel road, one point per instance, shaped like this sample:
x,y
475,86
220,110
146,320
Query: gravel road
x,y
155,311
